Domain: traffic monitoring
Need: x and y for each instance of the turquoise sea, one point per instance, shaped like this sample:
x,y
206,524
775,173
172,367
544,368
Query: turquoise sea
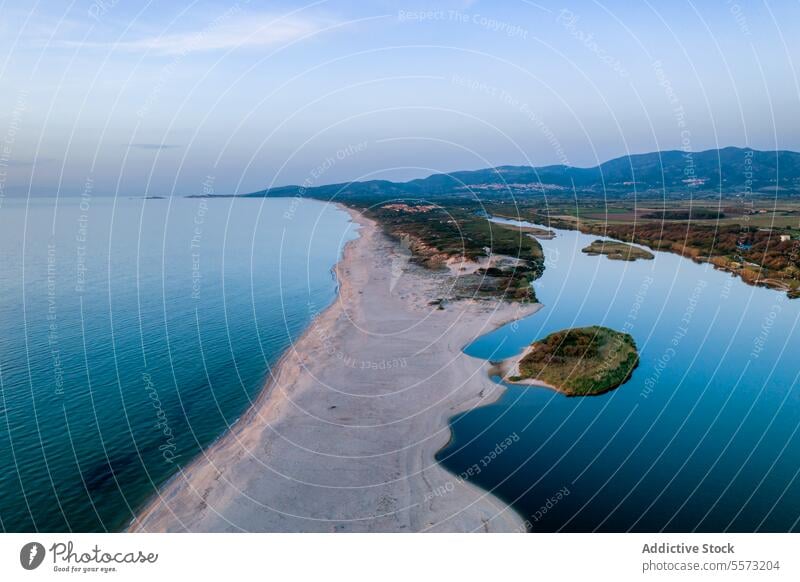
x,y
133,332
704,437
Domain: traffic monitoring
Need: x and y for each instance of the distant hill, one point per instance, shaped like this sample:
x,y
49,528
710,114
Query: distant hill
x,y
674,173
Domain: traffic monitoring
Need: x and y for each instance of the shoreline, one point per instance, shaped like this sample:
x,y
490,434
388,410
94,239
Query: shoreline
x,y
510,368
344,434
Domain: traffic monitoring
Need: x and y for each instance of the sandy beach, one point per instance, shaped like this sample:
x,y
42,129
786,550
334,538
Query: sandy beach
x,y
509,368
343,436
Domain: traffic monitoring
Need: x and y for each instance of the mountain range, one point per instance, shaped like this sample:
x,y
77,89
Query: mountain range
x,y
728,171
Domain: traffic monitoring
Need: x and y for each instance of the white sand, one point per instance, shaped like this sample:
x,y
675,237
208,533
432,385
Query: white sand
x,y
508,369
344,436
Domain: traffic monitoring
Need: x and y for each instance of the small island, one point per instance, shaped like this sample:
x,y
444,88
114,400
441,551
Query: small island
x,y
534,231
583,361
617,251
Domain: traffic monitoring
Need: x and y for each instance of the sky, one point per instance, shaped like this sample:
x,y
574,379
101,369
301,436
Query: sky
x,y
117,97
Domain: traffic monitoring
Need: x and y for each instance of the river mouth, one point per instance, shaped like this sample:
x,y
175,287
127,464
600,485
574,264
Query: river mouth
x,y
703,437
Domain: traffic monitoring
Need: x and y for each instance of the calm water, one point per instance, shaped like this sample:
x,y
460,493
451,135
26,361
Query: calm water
x,y
703,437
132,333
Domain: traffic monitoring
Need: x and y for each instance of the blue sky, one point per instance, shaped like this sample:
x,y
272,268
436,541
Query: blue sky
x,y
156,98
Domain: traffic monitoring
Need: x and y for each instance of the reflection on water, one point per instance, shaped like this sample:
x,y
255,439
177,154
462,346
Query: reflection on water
x,y
704,435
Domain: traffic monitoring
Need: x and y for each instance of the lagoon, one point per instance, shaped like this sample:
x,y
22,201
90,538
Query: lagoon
x,y
702,438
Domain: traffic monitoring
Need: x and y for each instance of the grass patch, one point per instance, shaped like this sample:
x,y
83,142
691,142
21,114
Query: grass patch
x,y
582,361
617,251
437,233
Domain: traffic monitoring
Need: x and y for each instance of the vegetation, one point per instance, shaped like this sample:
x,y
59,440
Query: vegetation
x,y
583,361
686,214
759,257
743,243
730,207
441,235
758,242
534,231
617,251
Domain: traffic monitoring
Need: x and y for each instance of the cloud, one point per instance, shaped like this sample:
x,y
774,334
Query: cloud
x,y
153,146
231,29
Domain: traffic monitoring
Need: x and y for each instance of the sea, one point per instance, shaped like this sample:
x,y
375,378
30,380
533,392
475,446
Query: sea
x,y
134,332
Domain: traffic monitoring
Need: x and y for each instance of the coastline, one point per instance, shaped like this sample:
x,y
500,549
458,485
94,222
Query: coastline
x,y
509,368
344,434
